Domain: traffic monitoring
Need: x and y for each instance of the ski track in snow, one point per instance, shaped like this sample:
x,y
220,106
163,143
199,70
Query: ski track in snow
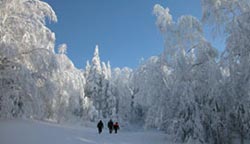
x,y
36,132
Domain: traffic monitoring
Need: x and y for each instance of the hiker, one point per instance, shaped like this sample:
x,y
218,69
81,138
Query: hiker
x,y
100,126
116,127
110,126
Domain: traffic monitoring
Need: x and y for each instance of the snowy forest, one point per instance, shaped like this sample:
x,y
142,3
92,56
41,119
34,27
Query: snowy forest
x,y
190,91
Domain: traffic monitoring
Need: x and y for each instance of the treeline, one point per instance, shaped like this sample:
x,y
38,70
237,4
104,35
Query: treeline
x,y
190,91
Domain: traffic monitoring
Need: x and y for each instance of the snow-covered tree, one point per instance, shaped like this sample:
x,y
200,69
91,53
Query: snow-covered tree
x,y
26,41
98,86
121,91
70,102
150,79
109,98
233,17
62,49
10,100
87,69
94,84
190,58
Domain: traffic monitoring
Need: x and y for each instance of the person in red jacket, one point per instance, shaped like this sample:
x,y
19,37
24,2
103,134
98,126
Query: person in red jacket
x,y
116,127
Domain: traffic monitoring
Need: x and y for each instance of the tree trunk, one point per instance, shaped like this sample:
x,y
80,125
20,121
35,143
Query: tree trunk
x,y
241,138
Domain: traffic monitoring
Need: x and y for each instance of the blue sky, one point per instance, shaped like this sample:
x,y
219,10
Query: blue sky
x,y
125,30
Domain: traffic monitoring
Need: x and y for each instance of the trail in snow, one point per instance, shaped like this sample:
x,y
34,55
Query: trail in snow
x,y
34,132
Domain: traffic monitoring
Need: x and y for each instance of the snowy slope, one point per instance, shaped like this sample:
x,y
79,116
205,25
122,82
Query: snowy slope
x,y
34,132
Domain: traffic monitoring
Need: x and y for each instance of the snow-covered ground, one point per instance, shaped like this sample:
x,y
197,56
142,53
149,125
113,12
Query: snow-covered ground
x,y
36,132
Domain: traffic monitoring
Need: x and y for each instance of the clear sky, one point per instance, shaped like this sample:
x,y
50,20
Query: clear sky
x,y
125,30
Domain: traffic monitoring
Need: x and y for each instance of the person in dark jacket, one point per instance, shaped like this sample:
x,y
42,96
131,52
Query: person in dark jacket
x,y
100,126
116,127
110,126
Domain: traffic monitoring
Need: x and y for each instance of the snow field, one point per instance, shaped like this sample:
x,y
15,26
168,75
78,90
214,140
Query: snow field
x,y
35,132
